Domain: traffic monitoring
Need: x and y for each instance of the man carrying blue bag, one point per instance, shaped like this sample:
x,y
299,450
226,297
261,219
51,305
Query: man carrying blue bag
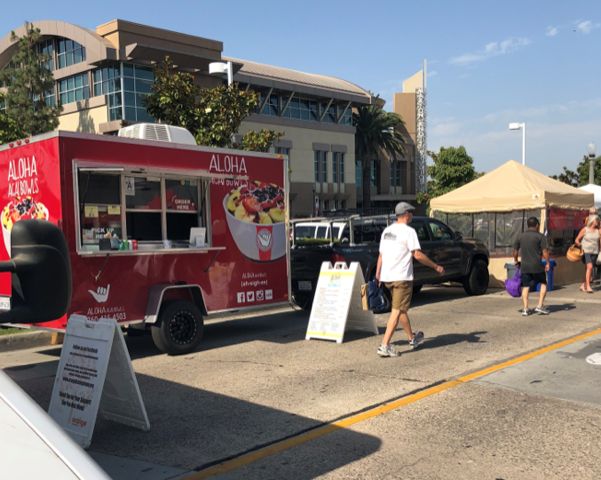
x,y
399,245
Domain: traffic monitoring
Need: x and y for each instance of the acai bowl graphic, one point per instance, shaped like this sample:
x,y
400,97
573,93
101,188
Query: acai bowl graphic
x,y
20,208
255,216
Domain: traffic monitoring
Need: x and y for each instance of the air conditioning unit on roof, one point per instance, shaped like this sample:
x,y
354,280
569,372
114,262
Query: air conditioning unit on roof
x,y
159,132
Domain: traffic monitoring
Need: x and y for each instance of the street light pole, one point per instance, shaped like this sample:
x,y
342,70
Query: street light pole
x,y
522,127
592,153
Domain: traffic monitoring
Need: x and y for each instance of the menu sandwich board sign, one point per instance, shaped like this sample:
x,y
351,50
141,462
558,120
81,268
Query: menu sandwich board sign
x,y
337,303
94,376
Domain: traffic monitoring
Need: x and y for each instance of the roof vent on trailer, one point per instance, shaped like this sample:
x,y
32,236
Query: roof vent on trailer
x,y
158,131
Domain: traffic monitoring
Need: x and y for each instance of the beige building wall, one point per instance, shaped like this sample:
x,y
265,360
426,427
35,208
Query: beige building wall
x,y
302,174
85,119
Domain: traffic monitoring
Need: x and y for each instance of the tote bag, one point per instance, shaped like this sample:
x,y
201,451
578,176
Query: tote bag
x,y
514,285
376,298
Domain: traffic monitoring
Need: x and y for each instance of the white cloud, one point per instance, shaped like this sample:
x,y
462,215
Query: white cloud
x,y
586,26
432,73
492,49
551,31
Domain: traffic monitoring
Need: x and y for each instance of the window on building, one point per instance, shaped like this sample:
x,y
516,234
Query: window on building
x,y
347,116
74,88
283,151
321,166
396,174
137,84
107,81
338,167
49,98
69,52
46,48
272,105
374,172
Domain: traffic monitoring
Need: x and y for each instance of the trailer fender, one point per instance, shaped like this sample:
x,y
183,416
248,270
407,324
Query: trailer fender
x,y
157,294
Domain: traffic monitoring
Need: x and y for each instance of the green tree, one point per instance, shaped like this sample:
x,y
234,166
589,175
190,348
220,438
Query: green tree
x,y
452,168
581,175
568,176
28,81
173,97
377,132
583,171
212,115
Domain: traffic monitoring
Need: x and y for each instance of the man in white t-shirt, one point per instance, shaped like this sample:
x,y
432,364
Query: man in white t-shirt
x,y
398,247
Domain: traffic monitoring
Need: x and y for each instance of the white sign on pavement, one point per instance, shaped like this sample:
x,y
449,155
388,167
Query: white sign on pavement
x,y
94,376
337,303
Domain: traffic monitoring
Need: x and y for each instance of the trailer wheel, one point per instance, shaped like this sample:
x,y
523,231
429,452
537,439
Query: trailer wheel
x,y
179,329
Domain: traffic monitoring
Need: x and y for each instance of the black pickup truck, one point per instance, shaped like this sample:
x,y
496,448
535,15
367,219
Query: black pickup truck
x,y
357,239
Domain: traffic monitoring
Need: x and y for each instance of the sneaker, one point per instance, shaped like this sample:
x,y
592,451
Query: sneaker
x,y
542,310
526,312
417,340
387,351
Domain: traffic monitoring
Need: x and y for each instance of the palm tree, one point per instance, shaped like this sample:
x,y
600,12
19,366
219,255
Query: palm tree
x,y
377,133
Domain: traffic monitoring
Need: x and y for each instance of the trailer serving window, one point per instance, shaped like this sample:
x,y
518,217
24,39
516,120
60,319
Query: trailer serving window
x,y
156,210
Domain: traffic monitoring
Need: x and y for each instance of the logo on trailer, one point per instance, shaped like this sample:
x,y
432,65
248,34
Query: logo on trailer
x,y
264,239
101,295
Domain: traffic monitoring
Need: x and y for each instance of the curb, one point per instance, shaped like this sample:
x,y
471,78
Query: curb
x,y
21,341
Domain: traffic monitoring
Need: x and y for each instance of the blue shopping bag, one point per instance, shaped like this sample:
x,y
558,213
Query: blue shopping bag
x,y
377,299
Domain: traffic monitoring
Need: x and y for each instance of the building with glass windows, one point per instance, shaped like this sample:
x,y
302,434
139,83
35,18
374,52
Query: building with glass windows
x,y
103,76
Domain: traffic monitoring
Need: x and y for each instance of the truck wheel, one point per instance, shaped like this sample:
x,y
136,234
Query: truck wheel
x,y
476,282
179,329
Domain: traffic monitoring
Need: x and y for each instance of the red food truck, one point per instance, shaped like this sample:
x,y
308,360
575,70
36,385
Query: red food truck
x,y
159,233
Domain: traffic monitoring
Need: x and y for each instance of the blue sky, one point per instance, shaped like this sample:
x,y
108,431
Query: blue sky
x,y
490,63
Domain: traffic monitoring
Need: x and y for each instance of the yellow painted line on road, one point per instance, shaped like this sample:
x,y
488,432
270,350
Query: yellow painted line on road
x,y
286,444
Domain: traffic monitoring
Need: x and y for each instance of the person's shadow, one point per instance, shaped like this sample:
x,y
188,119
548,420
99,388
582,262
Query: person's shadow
x,y
451,339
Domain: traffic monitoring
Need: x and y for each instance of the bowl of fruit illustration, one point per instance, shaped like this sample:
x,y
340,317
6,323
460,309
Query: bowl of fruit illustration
x,y
20,208
256,214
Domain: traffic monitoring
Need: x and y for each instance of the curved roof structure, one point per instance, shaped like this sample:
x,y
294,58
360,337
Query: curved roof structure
x,y
279,77
97,48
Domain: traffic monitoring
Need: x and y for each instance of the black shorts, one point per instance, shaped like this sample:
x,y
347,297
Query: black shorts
x,y
531,279
589,258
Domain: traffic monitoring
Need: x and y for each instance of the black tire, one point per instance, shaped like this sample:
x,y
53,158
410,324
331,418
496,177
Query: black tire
x,y
179,329
476,282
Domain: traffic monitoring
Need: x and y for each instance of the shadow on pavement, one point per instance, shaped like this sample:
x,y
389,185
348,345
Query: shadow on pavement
x,y
282,327
440,293
449,339
192,429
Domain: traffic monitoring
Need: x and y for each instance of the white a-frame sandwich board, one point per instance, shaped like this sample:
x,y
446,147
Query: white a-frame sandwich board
x,y
337,303
94,376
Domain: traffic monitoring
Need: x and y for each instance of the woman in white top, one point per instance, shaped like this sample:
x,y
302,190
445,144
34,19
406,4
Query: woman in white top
x,y
588,238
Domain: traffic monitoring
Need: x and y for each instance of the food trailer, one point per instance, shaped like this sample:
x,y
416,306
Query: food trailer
x,y
159,234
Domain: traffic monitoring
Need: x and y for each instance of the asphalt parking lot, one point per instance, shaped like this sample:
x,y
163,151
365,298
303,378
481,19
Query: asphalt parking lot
x,y
259,401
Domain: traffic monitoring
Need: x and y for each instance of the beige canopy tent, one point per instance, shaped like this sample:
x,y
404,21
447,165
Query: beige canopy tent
x,y
512,186
494,207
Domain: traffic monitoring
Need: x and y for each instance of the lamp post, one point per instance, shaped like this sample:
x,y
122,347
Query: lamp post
x,y
220,68
522,127
592,153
